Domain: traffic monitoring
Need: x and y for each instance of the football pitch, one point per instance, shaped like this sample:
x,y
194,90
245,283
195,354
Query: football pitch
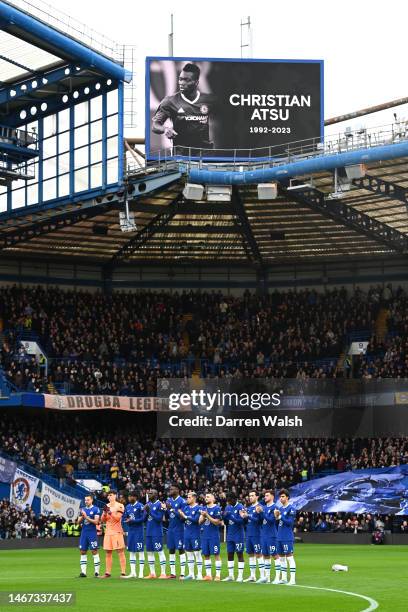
x,y
378,573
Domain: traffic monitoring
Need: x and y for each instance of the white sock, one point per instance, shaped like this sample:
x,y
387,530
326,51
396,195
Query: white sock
x,y
132,562
230,568
162,559
207,567
199,563
252,566
268,569
141,565
218,568
83,564
241,565
182,558
190,561
277,569
261,566
150,557
292,567
97,563
283,568
172,559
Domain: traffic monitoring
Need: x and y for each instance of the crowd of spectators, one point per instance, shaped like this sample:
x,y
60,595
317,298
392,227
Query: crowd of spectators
x,y
19,524
123,451
120,343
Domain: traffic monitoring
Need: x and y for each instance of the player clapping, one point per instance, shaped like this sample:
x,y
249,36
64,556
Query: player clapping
x,y
89,516
175,532
253,519
133,519
268,538
190,514
285,516
210,519
155,511
113,540
235,536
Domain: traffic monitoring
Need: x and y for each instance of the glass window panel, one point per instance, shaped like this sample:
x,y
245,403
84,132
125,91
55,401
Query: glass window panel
x,y
81,157
81,136
50,168
96,152
32,194
112,171
3,202
50,126
63,120
50,146
96,175
18,197
63,163
63,185
112,147
96,108
112,125
96,131
81,179
63,141
112,101
82,113
49,189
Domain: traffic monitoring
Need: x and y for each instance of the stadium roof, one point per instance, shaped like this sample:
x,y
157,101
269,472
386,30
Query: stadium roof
x,y
370,220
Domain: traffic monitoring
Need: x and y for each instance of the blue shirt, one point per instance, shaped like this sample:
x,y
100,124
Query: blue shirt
x,y
175,522
208,530
254,522
191,526
92,512
234,522
136,515
155,519
269,526
286,522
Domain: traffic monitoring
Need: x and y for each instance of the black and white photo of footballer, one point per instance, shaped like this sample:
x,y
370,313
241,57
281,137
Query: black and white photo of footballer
x,y
184,117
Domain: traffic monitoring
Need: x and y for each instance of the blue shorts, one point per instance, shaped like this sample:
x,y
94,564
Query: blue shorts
x,y
175,540
154,543
235,546
253,545
88,541
210,547
268,546
135,542
285,548
192,544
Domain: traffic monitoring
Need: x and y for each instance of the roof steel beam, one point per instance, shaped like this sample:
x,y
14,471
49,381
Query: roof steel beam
x,y
350,217
382,187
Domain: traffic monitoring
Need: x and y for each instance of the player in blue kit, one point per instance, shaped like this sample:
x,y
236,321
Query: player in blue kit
x,y
210,520
155,512
175,533
89,516
133,519
192,538
268,538
286,515
235,537
253,520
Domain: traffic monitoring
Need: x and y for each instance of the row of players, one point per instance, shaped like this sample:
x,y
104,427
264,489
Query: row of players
x,y
264,530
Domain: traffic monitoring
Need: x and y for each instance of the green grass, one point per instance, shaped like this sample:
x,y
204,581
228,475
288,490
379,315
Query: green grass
x,y
379,572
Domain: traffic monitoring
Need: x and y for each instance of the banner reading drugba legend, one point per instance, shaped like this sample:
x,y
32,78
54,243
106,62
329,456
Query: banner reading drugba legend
x,y
214,106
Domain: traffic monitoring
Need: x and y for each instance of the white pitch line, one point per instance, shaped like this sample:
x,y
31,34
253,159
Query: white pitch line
x,y
373,604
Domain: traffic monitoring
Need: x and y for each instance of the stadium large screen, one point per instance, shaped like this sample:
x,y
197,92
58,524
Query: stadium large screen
x,y
226,108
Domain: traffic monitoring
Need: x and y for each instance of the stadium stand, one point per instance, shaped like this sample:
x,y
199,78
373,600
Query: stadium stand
x,y
119,344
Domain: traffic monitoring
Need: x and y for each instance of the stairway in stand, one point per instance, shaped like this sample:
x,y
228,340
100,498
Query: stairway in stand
x,y
381,324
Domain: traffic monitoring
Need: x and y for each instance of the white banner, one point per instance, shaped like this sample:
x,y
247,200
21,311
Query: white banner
x,y
358,348
55,502
23,489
